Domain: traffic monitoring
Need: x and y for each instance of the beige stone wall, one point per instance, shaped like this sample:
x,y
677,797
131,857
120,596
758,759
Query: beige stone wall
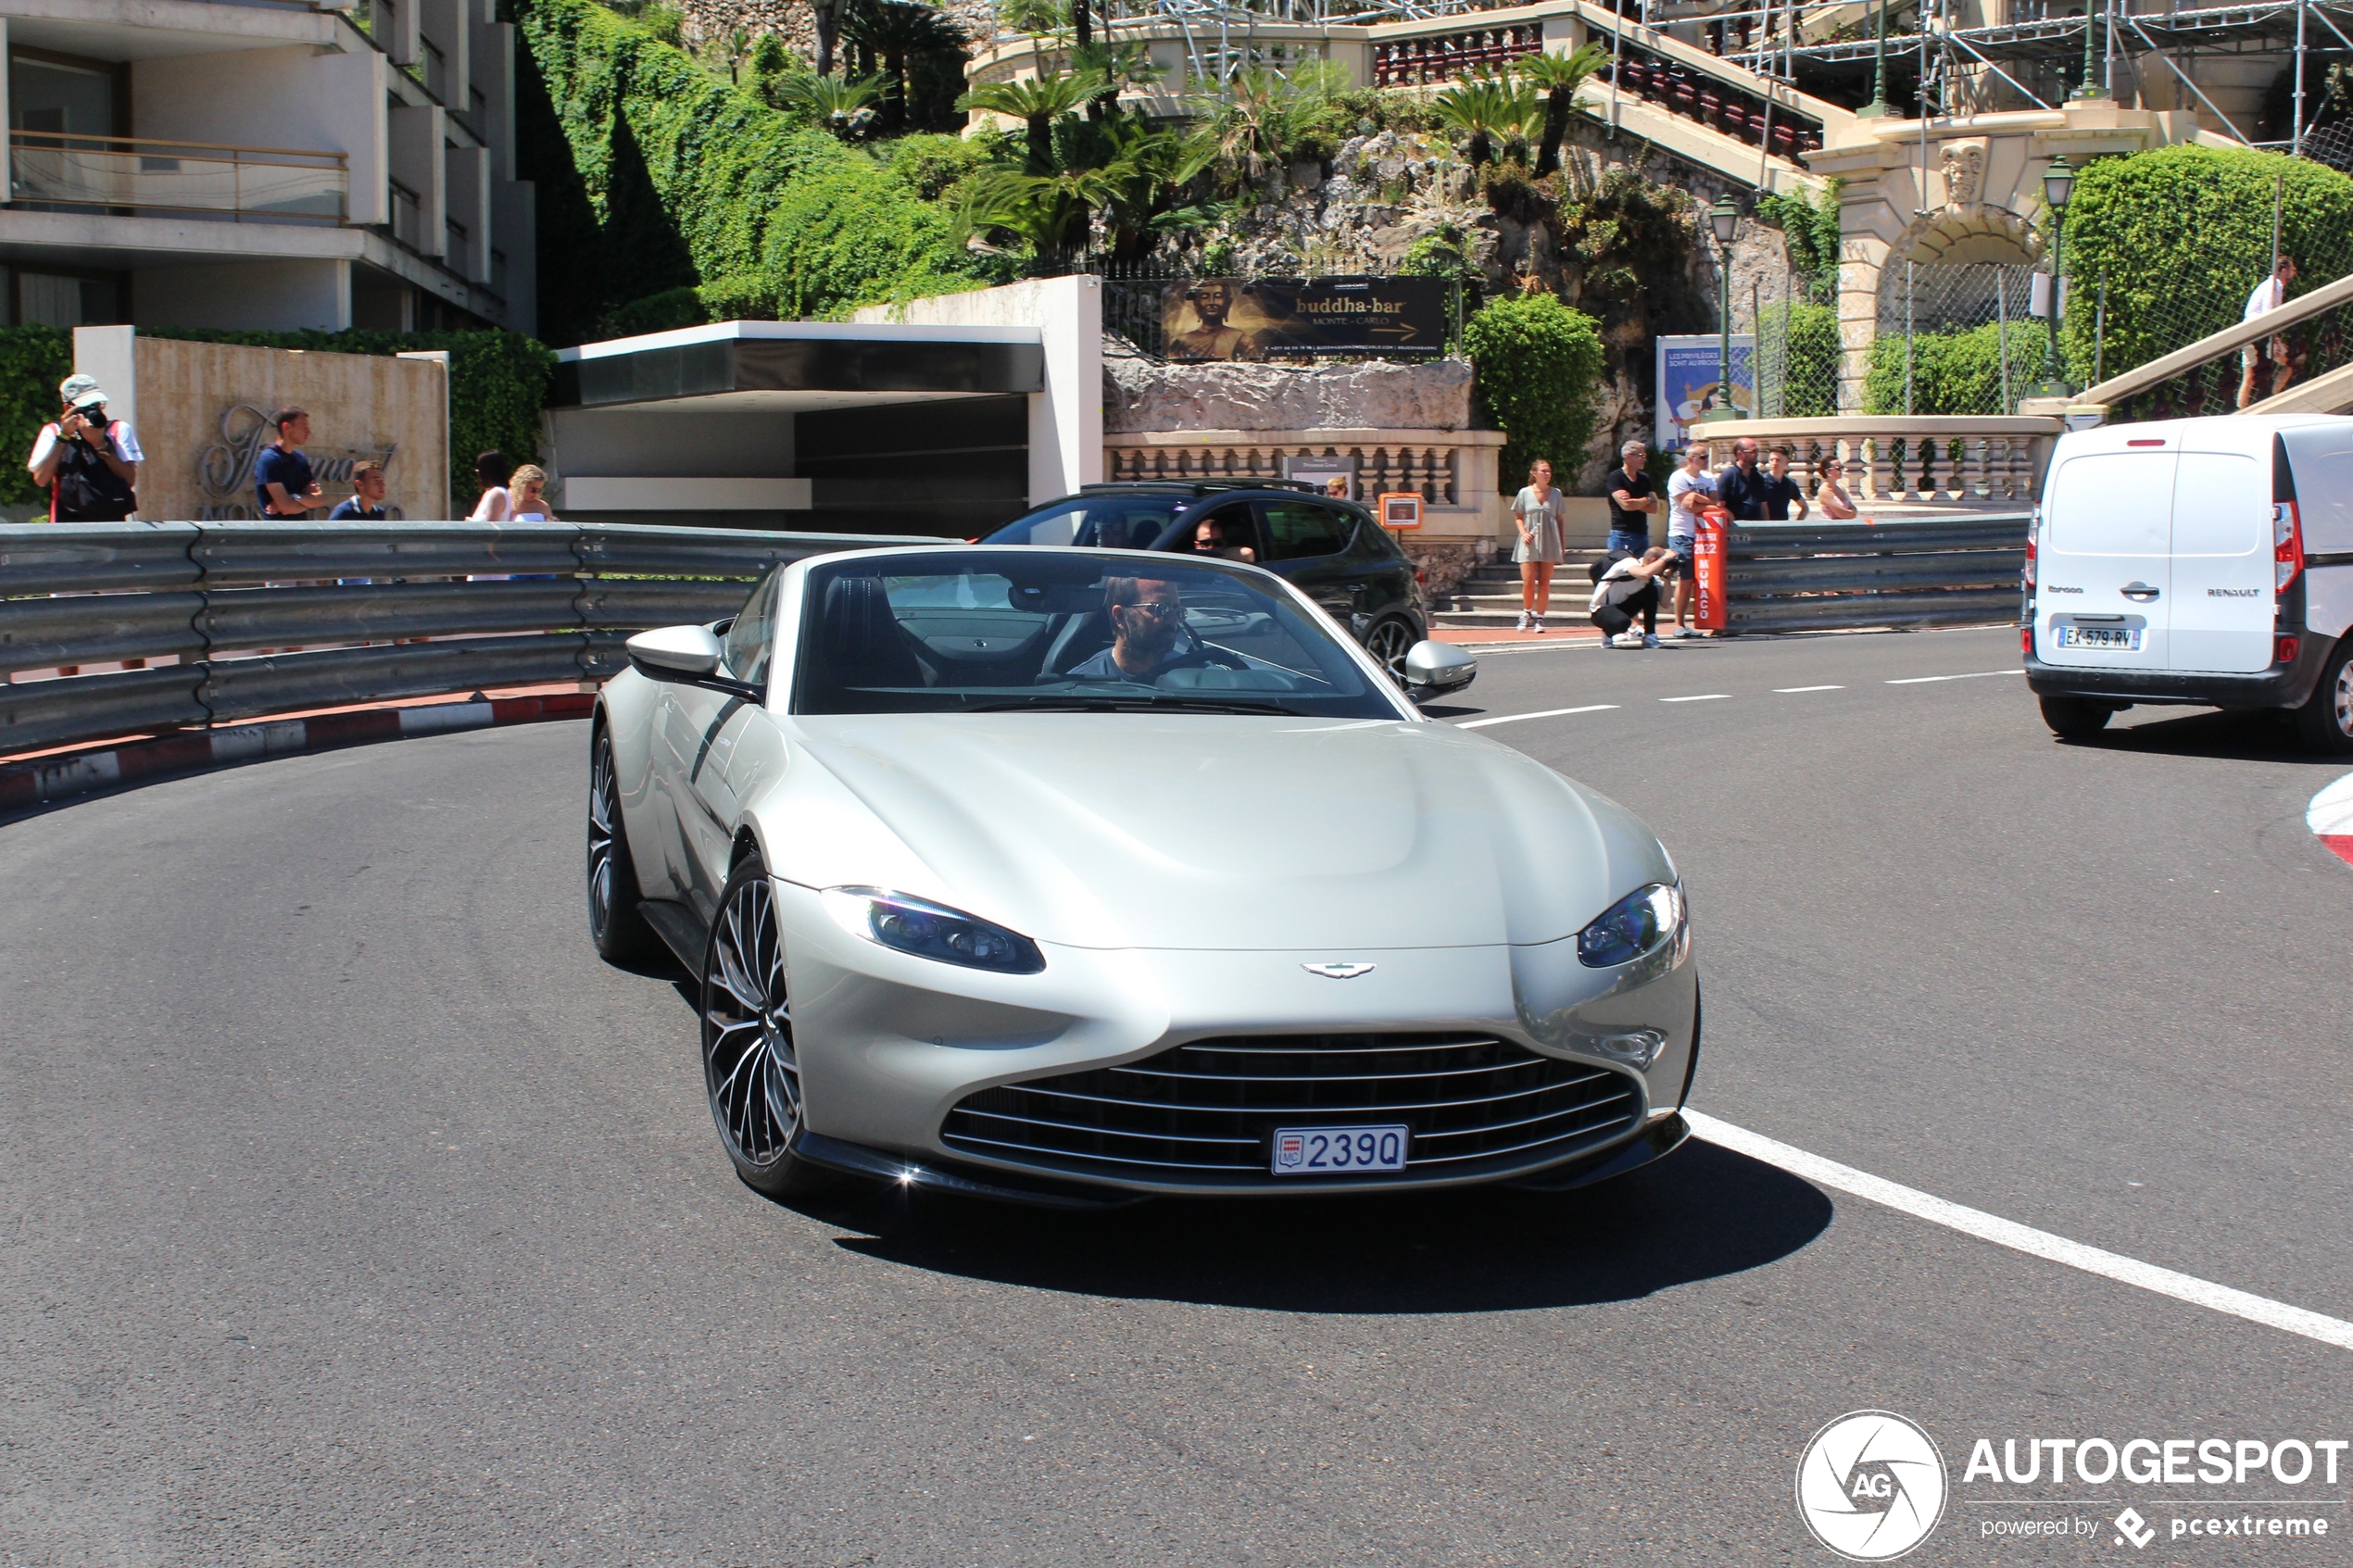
x,y
202,416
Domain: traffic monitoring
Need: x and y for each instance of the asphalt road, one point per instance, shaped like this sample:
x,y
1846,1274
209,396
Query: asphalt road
x,y
357,1214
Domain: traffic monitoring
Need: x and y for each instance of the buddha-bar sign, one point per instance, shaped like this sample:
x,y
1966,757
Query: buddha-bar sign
x,y
1299,317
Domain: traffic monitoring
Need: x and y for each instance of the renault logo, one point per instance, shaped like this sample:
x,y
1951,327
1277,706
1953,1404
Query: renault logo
x,y
1338,971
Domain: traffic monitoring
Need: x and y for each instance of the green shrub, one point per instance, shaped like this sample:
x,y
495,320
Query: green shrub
x,y
2184,234
1811,229
33,362
498,383
1538,365
1809,377
1953,372
684,172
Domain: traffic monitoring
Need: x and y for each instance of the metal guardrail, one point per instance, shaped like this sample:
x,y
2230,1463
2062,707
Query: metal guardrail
x,y
1959,571
421,608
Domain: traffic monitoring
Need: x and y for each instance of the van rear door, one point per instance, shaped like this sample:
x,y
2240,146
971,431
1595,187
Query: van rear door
x,y
2104,568
2221,589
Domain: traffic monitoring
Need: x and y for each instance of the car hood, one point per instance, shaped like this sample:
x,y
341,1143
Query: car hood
x,y
1201,831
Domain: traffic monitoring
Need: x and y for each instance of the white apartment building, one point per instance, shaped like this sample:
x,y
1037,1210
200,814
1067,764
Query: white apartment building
x,y
263,165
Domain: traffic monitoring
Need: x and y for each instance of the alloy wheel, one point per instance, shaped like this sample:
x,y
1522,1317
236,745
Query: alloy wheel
x,y
1390,642
604,810
749,1065
2344,700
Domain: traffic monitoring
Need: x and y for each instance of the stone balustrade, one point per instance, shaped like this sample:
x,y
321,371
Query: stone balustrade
x,y
1937,460
1453,471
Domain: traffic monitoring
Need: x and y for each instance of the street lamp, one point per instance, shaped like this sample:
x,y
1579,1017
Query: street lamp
x,y
1877,108
1724,217
2088,88
2058,184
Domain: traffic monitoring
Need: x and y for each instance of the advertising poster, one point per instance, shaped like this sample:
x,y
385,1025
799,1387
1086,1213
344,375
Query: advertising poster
x,y
1292,318
1333,474
1689,371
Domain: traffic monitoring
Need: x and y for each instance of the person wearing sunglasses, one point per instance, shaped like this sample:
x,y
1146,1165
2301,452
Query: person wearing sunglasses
x,y
1148,634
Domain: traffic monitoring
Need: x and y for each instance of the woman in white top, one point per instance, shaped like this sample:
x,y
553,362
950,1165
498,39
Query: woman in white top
x,y
1538,511
1683,529
524,503
1830,498
491,471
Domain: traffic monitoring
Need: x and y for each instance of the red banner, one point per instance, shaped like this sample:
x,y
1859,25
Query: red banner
x,y
1707,572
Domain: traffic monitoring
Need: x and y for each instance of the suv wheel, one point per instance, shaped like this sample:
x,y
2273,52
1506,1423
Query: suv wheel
x,y
1389,641
2326,718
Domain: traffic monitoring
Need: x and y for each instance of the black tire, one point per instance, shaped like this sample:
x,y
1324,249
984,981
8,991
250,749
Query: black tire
x,y
2075,718
1389,642
751,1066
2325,721
615,924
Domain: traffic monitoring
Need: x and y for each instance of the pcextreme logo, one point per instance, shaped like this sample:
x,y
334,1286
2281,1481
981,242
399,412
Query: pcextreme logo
x,y
1870,1486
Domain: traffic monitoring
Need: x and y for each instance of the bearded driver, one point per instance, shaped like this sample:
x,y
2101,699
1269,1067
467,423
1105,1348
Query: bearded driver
x,y
1148,634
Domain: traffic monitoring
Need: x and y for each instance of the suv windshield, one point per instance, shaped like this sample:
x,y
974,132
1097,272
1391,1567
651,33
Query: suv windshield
x,y
1102,522
944,632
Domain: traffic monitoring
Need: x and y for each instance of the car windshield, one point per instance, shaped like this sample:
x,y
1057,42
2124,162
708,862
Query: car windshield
x,y
964,631
1102,522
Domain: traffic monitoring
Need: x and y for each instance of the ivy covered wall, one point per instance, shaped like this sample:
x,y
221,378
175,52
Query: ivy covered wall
x,y
655,176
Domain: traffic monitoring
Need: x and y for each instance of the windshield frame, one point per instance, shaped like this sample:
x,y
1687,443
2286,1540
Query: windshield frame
x,y
799,606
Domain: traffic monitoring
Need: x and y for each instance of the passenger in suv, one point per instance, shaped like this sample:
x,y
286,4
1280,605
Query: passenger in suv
x,y
1331,549
2206,562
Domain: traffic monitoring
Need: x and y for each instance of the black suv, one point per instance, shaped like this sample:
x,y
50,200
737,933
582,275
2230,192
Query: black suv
x,y
1332,550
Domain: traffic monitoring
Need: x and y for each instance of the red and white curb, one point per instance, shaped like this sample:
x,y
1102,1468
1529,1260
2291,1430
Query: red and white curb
x,y
48,780
2331,817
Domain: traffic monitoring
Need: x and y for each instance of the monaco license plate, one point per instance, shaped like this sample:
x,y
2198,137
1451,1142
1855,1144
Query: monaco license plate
x,y
1328,1152
2122,638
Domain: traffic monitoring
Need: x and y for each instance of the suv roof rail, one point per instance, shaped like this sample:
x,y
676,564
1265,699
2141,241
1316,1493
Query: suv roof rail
x,y
1193,486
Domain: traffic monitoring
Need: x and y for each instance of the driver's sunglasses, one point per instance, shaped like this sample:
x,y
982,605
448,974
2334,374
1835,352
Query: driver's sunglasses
x,y
1156,607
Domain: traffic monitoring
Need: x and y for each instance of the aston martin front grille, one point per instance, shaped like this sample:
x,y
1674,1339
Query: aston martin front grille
x,y
1206,1110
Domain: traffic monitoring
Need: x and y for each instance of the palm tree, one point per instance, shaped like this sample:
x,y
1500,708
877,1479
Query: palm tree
x,y
1116,68
1050,212
845,105
1560,77
895,30
1037,102
1149,165
1487,109
1251,128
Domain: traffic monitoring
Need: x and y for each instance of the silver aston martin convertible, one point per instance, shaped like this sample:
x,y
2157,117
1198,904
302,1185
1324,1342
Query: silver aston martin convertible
x,y
1076,876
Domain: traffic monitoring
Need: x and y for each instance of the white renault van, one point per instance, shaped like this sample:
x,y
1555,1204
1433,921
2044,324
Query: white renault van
x,y
2206,562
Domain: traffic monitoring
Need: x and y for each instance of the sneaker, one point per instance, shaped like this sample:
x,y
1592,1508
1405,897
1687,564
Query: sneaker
x,y
1522,624
1689,632
1627,640
1649,641
1539,627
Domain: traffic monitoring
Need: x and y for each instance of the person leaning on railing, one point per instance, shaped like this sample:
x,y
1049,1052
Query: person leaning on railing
x,y
87,462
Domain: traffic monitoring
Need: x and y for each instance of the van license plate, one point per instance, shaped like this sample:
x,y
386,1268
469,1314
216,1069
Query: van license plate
x,y
2122,638
1323,1152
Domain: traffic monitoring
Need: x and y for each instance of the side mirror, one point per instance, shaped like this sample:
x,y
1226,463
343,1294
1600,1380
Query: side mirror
x,y
676,653
1435,668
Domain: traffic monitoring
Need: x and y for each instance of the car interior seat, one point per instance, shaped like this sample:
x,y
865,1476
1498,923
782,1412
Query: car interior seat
x,y
862,640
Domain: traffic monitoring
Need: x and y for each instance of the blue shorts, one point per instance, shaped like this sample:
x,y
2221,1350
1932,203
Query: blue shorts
x,y
1623,543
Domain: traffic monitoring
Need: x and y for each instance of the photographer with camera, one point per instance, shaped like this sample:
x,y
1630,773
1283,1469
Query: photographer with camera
x,y
89,464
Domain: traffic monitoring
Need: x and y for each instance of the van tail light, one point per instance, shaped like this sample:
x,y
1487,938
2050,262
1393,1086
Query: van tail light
x,y
2030,560
2286,652
2287,545
2026,639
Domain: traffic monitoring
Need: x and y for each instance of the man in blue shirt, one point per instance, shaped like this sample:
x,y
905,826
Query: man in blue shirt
x,y
1744,489
281,482
367,502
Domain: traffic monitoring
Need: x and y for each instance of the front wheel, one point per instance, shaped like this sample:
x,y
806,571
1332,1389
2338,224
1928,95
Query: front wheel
x,y
1389,642
2325,721
2075,718
750,1061
616,926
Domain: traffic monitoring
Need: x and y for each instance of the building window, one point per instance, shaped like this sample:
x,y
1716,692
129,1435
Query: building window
x,y
55,97
67,299
436,77
455,236
408,217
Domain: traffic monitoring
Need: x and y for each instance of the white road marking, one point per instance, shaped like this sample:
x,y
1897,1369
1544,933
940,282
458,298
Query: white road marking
x,y
2025,1238
1547,713
1784,691
1709,696
1972,676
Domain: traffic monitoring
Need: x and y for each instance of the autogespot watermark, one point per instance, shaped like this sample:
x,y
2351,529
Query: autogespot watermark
x,y
1872,1485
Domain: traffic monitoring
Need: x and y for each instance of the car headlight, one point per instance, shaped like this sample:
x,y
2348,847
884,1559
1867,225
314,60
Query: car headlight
x,y
1641,923
909,924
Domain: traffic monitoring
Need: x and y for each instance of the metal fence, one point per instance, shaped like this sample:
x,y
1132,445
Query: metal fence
x,y
237,620
1948,572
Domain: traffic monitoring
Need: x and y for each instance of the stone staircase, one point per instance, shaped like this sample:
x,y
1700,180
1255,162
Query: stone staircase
x,y
1487,599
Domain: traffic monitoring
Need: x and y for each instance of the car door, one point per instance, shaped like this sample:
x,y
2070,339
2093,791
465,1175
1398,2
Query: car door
x,y
701,737
1235,521
2222,575
1307,542
2104,562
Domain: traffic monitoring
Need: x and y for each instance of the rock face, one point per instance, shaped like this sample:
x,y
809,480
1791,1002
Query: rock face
x,y
1140,396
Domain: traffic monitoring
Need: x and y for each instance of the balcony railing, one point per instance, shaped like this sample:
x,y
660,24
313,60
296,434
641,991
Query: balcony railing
x,y
140,174
436,75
